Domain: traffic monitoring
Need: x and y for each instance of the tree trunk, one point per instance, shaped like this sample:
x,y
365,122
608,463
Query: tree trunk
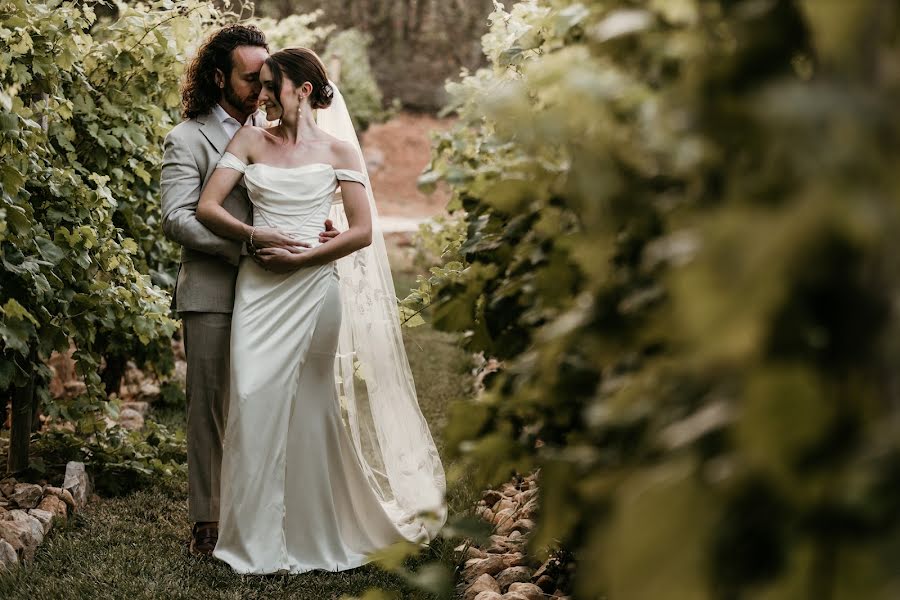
x,y
20,430
36,404
112,374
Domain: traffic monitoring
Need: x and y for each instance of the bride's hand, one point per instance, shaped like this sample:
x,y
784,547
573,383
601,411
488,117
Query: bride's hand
x,y
272,237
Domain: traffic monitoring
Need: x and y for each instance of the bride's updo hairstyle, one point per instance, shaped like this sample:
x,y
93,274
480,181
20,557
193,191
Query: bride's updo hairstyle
x,y
300,65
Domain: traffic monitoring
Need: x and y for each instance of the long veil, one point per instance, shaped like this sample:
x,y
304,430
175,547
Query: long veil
x,y
375,385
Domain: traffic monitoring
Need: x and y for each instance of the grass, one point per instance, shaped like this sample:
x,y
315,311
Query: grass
x,y
135,546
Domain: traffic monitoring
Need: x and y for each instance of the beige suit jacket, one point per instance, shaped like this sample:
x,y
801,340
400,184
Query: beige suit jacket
x,y
208,270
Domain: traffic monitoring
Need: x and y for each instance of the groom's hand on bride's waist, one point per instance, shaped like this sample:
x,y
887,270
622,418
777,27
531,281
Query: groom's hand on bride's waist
x,y
272,237
330,232
282,258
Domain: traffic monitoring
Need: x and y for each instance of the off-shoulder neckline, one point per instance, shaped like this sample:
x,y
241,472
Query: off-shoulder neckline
x,y
312,164
290,168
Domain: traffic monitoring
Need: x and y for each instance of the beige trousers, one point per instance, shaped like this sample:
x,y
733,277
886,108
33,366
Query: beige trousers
x,y
207,341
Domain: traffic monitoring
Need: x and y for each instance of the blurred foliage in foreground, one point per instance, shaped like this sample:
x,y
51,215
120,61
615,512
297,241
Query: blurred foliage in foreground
x,y
680,238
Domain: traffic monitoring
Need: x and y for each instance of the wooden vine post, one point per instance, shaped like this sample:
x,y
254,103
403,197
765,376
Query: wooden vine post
x,y
20,426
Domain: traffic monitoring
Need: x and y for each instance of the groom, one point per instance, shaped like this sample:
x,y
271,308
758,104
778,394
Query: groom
x,y
219,95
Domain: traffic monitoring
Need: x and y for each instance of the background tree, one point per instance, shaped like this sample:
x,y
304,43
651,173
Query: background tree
x,y
416,44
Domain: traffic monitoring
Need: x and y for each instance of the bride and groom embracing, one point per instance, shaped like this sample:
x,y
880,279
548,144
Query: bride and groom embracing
x,y
306,445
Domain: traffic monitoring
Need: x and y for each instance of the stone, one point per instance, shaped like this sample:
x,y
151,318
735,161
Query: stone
x,y
26,495
506,503
491,565
503,515
53,505
528,590
485,583
488,515
514,535
65,496
491,497
523,525
504,522
141,407
148,390
488,595
132,374
513,559
78,483
546,583
44,516
513,596
74,388
8,486
543,568
23,532
180,372
529,510
471,552
506,577
499,545
8,556
131,419
504,527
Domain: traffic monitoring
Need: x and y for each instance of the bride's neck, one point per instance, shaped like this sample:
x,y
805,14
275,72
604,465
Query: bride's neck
x,y
300,128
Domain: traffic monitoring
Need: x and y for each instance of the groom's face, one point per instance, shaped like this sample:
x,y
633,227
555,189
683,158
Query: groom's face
x,y
241,87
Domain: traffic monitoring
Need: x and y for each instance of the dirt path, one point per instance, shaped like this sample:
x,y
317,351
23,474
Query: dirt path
x,y
396,153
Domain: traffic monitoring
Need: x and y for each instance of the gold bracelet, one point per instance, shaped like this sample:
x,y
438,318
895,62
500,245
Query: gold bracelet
x,y
252,231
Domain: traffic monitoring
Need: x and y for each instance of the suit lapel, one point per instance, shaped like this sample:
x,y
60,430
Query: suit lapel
x,y
212,130
215,133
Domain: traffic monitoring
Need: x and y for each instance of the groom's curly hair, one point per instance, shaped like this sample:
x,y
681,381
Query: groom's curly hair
x,y
199,92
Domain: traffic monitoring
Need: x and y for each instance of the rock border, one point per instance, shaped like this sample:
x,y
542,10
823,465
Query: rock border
x,y
503,570
29,511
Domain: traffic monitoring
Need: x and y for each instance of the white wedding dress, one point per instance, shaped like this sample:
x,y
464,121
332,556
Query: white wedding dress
x,y
295,495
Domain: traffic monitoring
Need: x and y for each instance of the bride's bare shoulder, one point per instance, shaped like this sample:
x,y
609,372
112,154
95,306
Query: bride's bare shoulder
x,y
248,135
247,140
345,155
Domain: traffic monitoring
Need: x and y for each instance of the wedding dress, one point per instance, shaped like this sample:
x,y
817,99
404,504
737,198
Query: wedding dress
x,y
304,485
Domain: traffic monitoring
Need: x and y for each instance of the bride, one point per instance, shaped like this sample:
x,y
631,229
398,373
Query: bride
x,y
327,456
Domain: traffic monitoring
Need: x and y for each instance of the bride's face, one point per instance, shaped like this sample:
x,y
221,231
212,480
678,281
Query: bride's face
x,y
289,101
267,98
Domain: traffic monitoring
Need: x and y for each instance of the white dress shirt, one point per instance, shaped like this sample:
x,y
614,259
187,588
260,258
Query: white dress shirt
x,y
229,123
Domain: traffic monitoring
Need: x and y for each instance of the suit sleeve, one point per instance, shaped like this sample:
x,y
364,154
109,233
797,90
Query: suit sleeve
x,y
181,184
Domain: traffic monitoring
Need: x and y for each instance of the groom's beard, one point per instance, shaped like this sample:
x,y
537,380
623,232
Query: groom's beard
x,y
248,105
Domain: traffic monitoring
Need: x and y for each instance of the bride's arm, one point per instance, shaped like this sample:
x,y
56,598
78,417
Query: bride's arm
x,y
213,215
359,218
